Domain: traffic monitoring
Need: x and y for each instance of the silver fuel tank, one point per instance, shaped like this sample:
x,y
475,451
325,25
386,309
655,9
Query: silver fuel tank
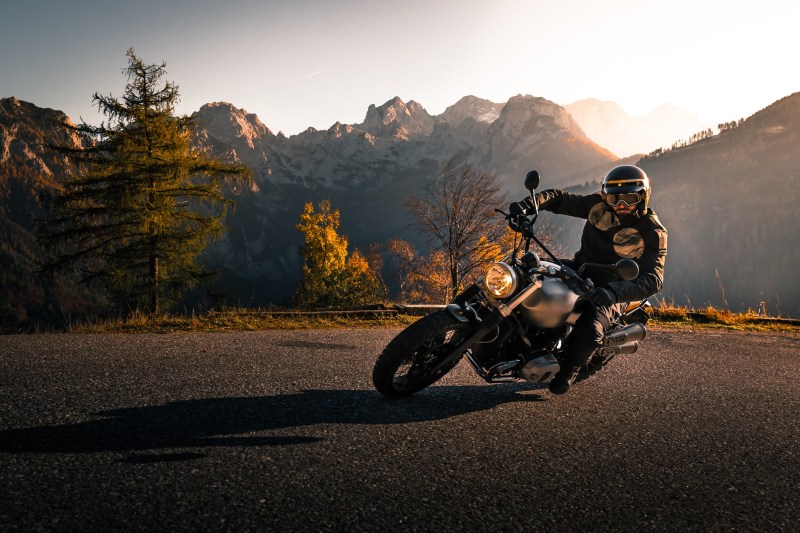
x,y
551,304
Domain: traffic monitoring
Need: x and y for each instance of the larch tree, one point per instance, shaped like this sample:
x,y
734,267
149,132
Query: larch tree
x,y
144,204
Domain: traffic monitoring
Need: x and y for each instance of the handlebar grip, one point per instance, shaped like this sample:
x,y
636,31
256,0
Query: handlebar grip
x,y
517,208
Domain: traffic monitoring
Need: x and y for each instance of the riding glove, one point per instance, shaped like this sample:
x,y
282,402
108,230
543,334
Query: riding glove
x,y
601,296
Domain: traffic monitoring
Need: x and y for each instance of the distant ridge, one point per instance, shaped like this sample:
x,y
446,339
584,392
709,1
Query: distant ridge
x,y
609,125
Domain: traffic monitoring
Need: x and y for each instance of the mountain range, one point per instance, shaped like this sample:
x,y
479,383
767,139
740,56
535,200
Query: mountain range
x,y
704,193
367,169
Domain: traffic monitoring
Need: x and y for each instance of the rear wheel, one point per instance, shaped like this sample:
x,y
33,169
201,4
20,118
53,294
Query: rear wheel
x,y
408,363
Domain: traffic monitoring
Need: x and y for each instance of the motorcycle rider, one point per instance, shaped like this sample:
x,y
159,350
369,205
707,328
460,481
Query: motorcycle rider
x,y
619,224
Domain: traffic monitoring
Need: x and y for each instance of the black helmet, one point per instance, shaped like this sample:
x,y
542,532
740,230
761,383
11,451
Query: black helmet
x,y
628,184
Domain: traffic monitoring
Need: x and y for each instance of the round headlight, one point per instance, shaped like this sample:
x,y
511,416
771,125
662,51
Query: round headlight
x,y
500,280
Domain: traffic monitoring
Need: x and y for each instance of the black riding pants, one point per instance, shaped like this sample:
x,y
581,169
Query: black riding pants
x,y
589,331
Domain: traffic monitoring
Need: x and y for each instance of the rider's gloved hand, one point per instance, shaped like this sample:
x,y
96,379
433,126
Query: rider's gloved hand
x,y
528,201
600,296
518,208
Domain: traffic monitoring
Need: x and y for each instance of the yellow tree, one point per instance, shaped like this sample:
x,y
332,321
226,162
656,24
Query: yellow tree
x,y
427,278
330,277
422,278
360,281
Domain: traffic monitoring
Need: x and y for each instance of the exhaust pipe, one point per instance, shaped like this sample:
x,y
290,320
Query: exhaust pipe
x,y
611,351
630,333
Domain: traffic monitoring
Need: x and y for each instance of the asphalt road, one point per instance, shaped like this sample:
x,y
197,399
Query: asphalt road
x,y
281,431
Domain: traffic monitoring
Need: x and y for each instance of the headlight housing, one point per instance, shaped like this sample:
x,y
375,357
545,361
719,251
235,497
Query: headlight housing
x,y
500,280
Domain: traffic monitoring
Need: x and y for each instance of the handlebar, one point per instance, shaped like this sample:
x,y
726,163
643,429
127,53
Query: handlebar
x,y
518,221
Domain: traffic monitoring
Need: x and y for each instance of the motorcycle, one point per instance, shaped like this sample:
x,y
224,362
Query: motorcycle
x,y
514,323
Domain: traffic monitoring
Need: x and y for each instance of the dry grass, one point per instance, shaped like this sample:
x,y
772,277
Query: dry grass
x,y
236,320
713,318
666,315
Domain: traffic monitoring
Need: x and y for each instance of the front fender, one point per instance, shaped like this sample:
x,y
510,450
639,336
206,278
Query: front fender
x,y
464,313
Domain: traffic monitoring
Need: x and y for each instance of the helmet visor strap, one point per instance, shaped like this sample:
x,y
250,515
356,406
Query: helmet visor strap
x,y
630,199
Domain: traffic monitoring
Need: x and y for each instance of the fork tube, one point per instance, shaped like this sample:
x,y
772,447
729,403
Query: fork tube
x,y
506,309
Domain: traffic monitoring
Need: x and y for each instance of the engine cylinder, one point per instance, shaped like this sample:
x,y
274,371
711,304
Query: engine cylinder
x,y
540,369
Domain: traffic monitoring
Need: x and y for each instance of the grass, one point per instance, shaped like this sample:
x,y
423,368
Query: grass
x,y
669,316
240,320
713,318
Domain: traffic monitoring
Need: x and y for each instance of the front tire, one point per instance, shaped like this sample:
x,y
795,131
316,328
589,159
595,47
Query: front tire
x,y
406,364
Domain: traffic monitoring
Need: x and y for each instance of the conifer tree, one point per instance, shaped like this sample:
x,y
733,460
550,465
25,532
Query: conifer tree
x,y
144,204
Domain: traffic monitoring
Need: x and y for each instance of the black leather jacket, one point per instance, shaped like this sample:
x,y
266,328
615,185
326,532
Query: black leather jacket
x,y
606,240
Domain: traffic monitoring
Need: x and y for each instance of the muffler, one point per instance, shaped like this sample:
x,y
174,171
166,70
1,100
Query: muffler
x,y
622,349
630,333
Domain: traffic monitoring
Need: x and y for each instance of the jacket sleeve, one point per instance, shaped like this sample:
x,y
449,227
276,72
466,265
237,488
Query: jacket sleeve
x,y
651,270
564,203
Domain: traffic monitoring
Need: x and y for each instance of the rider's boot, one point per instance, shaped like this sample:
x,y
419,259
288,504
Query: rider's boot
x,y
563,379
585,339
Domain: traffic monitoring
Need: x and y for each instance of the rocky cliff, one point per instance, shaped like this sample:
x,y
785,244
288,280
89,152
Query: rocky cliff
x,y
367,170
27,168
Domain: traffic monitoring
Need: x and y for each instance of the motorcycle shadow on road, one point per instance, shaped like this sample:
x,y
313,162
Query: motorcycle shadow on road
x,y
213,422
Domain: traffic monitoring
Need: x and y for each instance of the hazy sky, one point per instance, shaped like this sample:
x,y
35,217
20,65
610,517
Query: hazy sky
x,y
300,63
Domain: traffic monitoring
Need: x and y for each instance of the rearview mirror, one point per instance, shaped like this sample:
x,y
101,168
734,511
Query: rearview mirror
x,y
626,269
532,180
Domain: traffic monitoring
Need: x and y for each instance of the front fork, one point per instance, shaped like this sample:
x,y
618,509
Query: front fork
x,y
461,309
504,371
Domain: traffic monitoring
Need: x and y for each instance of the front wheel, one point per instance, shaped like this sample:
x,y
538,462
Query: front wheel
x,y
407,364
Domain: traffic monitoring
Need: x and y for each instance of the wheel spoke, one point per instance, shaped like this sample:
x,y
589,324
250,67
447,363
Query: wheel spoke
x,y
407,364
418,365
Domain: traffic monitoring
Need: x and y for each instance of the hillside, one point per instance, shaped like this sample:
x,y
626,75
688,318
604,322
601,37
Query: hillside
x,y
731,203
27,168
367,169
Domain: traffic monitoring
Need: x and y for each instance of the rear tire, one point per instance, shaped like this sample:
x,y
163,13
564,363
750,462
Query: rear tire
x,y
406,364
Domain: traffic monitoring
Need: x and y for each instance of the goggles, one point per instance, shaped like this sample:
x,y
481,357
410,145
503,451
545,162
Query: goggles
x,y
630,199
